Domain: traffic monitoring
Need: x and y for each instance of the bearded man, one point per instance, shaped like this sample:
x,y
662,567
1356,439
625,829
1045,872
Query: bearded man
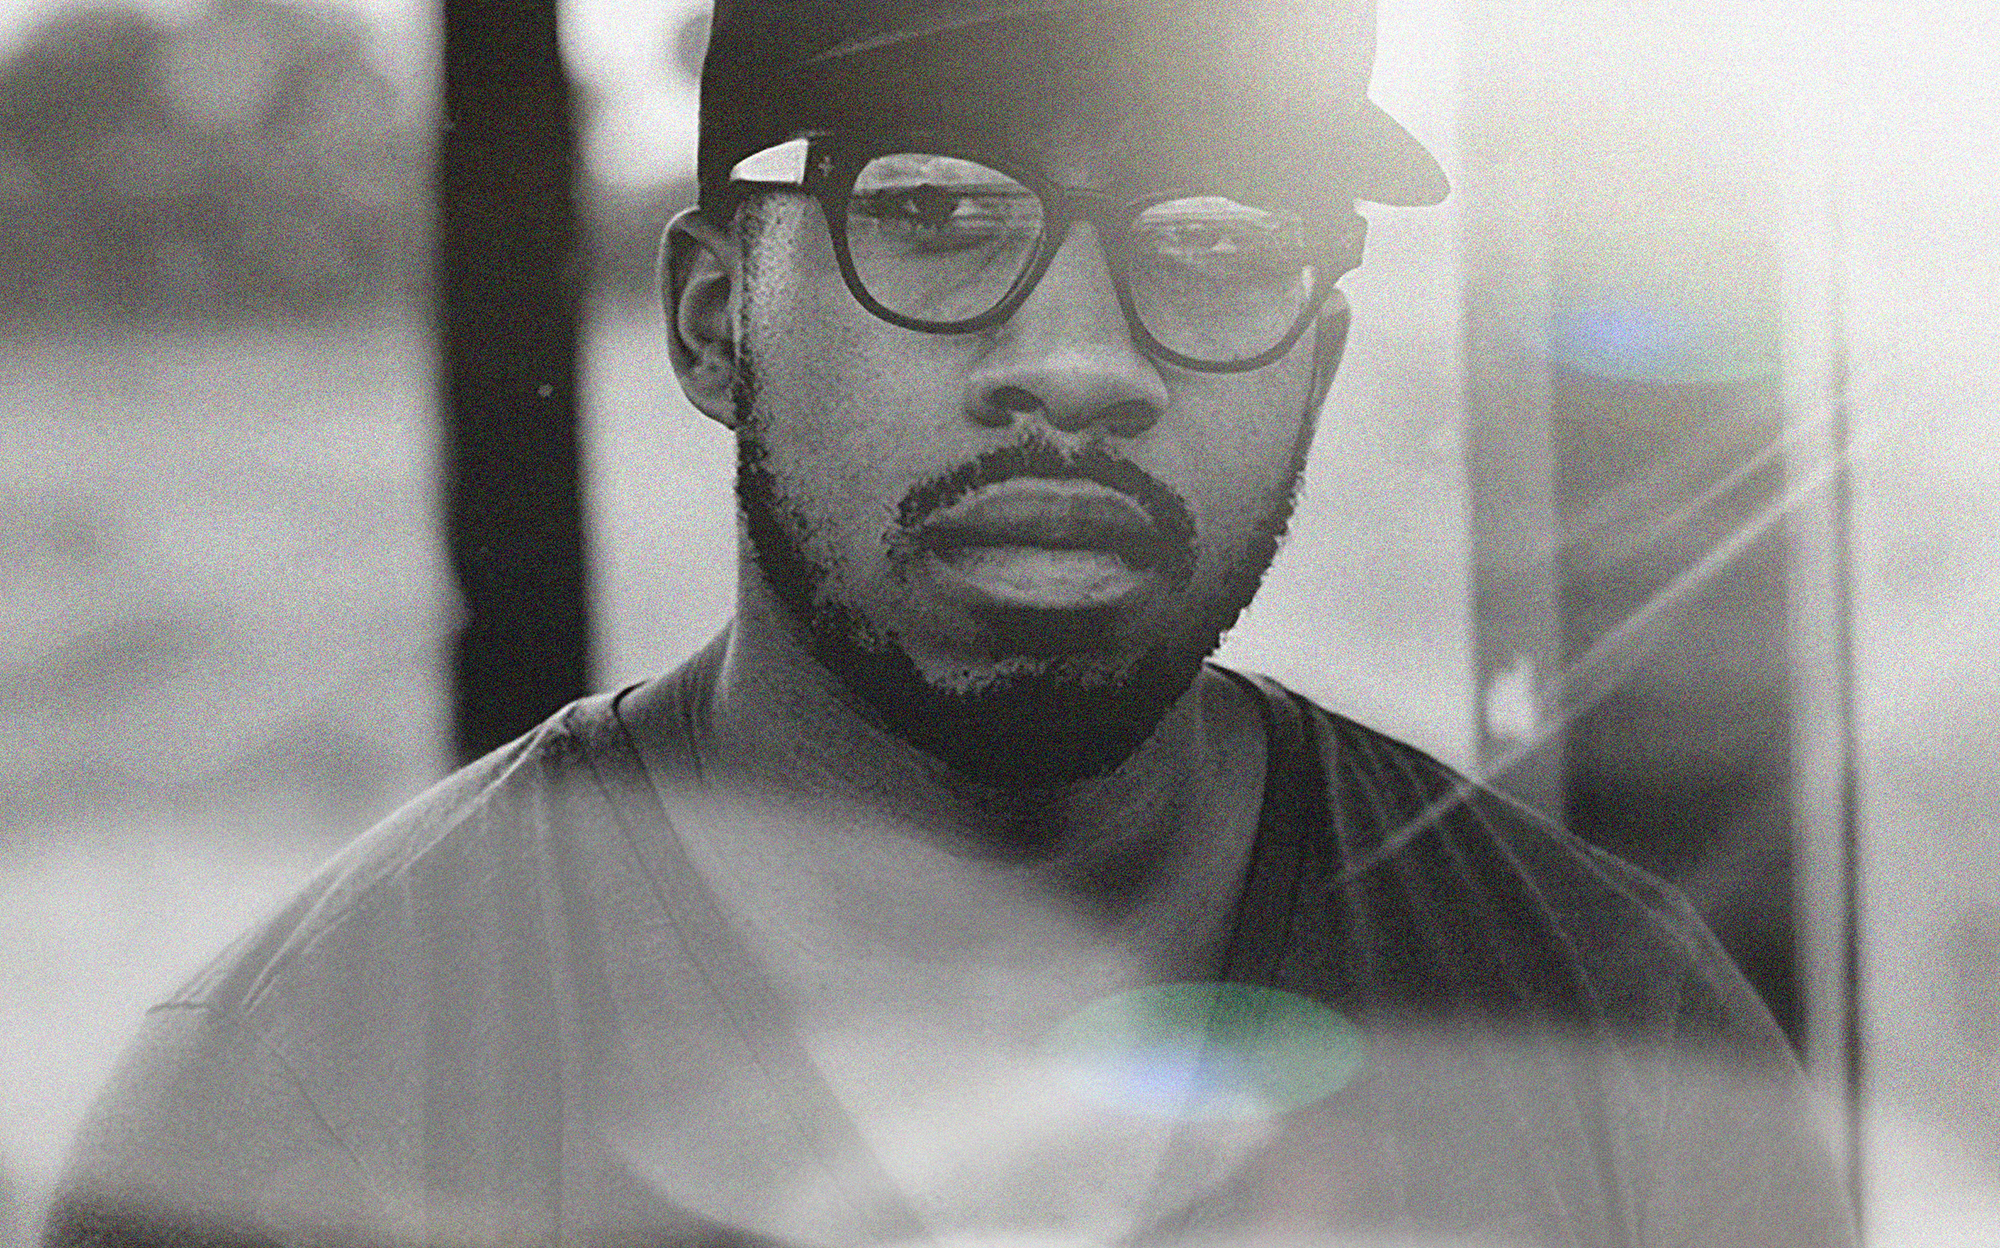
x,y
951,893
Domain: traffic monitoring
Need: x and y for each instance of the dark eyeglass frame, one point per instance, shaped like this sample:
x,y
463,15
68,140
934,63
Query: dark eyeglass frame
x,y
834,163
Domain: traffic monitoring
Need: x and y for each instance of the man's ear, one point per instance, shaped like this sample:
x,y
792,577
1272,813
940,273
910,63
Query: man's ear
x,y
1329,344
700,267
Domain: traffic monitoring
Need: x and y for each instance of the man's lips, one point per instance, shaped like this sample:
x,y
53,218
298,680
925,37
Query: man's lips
x,y
1044,545
1047,515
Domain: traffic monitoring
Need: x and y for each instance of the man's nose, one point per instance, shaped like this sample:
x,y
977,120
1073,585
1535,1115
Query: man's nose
x,y
1066,357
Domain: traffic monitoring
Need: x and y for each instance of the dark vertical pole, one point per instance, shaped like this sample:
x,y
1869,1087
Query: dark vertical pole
x,y
1825,796
1509,446
508,319
1854,1066
1625,465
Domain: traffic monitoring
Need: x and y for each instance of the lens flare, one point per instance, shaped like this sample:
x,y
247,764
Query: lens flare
x,y
1664,300
1207,1052
1637,339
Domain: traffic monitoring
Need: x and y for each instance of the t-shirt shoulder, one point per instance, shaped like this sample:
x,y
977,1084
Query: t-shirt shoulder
x,y
1552,917
487,831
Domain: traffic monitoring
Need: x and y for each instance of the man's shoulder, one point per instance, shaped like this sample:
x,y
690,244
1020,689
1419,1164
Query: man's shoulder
x,y
1452,880
418,1008
486,840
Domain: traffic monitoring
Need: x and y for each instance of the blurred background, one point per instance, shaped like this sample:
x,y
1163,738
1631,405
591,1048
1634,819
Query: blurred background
x,y
1572,520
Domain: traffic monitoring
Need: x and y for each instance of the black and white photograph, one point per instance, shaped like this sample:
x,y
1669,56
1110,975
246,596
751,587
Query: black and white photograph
x,y
999,624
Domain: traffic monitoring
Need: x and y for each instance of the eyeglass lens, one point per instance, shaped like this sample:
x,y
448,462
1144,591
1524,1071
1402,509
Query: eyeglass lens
x,y
942,240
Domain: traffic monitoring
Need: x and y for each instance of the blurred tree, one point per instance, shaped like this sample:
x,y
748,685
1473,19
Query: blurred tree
x,y
247,159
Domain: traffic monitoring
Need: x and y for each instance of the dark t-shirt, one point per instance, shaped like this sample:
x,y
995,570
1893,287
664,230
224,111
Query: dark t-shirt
x,y
513,1013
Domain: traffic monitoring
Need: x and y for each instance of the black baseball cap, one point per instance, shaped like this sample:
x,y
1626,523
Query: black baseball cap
x,y
1277,83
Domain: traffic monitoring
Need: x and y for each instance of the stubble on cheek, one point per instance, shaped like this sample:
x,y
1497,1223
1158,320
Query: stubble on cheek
x,y
1250,474
825,448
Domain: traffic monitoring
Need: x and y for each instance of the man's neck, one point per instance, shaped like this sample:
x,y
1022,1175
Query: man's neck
x,y
829,814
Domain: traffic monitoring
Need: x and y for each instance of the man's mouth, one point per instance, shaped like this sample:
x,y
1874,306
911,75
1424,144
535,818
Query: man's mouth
x,y
1040,544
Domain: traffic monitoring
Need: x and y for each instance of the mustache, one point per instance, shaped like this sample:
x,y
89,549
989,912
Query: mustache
x,y
1043,460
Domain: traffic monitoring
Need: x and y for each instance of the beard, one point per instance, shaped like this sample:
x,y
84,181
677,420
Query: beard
x,y
1055,704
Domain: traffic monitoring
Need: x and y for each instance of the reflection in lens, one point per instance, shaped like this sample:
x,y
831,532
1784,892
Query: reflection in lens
x,y
939,238
1217,280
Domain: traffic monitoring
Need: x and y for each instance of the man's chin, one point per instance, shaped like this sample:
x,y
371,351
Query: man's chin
x,y
1035,721
1057,696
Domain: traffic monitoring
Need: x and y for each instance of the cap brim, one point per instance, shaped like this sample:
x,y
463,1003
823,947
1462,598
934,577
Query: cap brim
x,y
1397,169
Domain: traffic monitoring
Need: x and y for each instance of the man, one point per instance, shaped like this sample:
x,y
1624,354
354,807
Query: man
x,y
950,894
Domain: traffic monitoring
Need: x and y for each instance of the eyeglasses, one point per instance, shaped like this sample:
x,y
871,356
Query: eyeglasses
x,y
950,243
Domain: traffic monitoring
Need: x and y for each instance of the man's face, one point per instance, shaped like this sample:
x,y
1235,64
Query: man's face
x,y
1015,546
